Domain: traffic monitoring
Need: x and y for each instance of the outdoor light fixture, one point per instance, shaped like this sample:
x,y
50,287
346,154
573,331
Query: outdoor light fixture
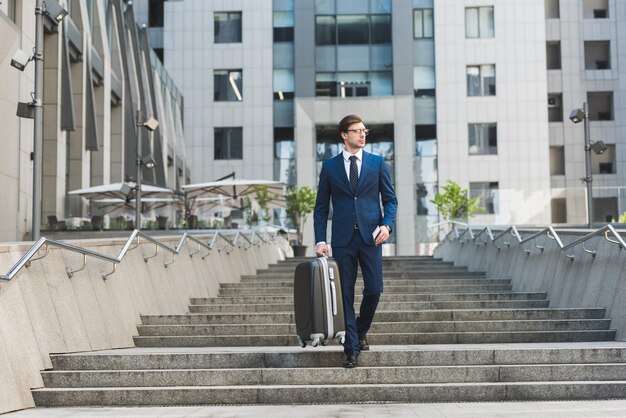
x,y
577,115
54,11
148,161
599,147
151,124
26,110
20,59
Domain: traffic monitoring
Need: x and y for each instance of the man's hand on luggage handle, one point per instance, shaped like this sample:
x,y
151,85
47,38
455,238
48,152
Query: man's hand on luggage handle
x,y
321,250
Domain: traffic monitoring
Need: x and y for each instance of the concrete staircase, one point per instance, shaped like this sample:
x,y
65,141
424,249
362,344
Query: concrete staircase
x,y
245,350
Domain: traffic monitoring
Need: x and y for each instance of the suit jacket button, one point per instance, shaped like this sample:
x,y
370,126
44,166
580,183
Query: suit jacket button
x,y
354,197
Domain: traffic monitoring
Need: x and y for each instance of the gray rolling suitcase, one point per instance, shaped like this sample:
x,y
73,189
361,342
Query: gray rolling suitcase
x,y
318,302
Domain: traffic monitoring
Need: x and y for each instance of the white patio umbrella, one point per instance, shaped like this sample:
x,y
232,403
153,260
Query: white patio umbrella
x,y
235,189
119,191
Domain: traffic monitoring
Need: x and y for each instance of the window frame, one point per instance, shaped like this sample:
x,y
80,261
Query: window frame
x,y
228,14
481,77
485,128
238,98
423,21
228,141
478,22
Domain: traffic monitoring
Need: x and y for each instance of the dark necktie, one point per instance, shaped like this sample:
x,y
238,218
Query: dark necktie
x,y
354,173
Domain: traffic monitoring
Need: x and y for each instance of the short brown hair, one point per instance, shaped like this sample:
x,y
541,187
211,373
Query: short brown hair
x,y
347,121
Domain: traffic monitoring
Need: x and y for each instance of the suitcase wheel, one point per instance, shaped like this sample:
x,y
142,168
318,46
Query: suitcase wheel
x,y
342,340
301,342
324,342
315,342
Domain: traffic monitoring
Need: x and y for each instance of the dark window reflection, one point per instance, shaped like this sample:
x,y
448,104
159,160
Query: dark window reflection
x,y
227,27
352,30
228,144
325,30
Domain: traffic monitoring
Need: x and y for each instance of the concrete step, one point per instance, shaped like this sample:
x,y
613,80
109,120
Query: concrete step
x,y
388,283
385,316
389,306
382,338
385,297
336,375
378,327
314,394
383,356
388,269
388,289
404,274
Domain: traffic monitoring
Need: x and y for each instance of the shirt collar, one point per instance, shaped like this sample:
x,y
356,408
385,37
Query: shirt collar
x,y
347,155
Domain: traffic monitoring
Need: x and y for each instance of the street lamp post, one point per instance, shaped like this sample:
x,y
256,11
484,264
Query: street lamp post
x,y
38,128
150,124
34,110
576,116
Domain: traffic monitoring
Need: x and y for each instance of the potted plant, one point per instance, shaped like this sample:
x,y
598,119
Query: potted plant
x,y
300,204
454,204
263,197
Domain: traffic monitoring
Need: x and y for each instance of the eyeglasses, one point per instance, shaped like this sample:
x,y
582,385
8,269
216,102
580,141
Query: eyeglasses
x,y
359,131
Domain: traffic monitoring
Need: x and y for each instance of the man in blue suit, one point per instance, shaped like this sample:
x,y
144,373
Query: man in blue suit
x,y
356,182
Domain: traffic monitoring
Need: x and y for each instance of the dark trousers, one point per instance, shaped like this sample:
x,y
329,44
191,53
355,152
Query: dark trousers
x,y
370,258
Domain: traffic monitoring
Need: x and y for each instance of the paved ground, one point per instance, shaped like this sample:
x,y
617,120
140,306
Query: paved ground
x,y
611,408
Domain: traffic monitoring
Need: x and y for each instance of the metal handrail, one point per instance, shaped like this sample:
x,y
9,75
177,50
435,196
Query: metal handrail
x,y
27,258
549,231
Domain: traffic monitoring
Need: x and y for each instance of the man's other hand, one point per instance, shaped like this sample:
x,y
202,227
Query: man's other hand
x,y
383,235
321,250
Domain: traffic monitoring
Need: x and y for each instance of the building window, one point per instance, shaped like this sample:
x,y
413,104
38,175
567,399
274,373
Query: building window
x,y
597,55
424,81
284,84
354,84
552,9
481,80
595,9
155,19
228,85
8,7
353,30
557,160
559,210
600,105
228,144
227,27
426,169
479,22
423,23
284,156
380,28
483,138
553,55
555,108
486,192
325,30
283,26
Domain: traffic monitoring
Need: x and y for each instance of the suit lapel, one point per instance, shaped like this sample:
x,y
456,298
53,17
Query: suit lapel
x,y
341,172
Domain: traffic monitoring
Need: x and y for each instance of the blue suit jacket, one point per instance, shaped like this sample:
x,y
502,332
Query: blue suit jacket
x,y
362,207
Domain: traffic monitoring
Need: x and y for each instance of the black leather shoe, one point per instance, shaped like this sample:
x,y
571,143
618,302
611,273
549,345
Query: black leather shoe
x,y
363,346
352,360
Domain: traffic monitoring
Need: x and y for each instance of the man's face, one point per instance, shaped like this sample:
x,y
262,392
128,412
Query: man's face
x,y
354,137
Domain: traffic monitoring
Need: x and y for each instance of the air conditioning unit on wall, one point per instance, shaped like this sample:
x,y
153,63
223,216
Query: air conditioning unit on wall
x,y
554,101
